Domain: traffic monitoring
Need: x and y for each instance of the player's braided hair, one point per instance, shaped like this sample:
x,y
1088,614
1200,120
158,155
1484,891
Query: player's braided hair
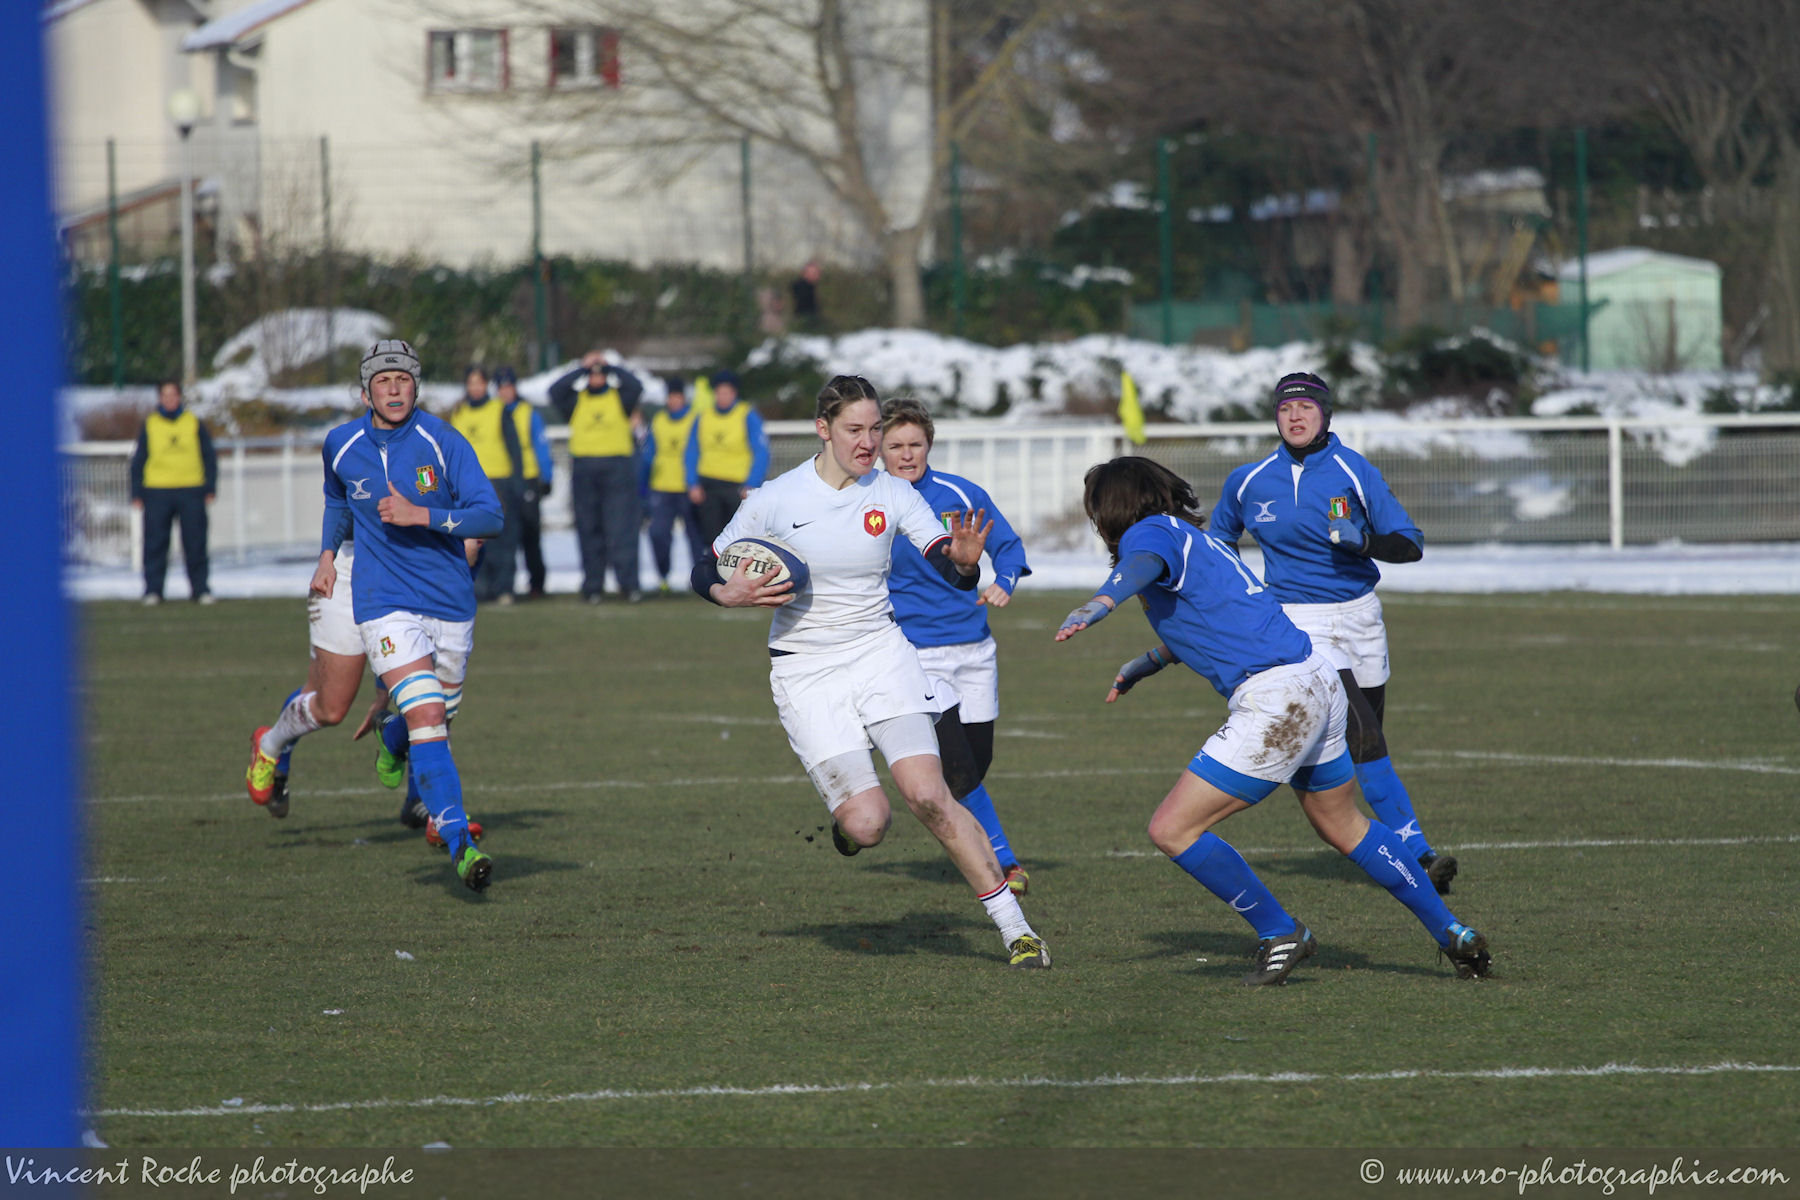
x,y
1120,493
904,410
840,392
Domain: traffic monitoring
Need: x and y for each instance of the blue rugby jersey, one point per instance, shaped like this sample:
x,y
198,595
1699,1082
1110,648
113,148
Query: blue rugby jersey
x,y
1288,504
931,610
1208,607
416,569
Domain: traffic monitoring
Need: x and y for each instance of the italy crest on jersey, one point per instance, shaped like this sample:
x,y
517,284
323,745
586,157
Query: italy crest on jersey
x,y
947,516
1339,507
874,522
428,480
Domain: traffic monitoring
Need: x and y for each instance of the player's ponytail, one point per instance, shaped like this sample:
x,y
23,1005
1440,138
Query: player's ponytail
x,y
1120,493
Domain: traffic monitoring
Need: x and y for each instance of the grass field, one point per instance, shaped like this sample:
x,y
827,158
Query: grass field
x,y
672,954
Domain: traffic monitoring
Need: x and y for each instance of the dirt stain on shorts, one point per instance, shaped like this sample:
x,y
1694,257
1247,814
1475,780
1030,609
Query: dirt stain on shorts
x,y
1288,735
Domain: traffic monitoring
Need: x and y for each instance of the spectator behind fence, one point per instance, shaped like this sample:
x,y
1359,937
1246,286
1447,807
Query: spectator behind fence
x,y
603,421
534,445
174,476
727,457
501,451
665,479
805,290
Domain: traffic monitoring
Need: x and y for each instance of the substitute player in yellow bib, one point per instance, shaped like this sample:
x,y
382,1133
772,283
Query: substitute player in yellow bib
x,y
599,399
174,476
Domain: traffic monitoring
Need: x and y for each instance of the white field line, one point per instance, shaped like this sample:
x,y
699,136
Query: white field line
x,y
1163,769
966,1084
1571,760
1557,844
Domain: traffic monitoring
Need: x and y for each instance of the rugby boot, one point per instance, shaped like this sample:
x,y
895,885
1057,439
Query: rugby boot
x,y
436,842
845,846
259,778
1440,869
390,768
278,797
474,868
1028,953
1468,952
1277,956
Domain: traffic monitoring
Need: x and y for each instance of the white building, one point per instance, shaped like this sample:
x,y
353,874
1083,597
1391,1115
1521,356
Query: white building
x,y
409,125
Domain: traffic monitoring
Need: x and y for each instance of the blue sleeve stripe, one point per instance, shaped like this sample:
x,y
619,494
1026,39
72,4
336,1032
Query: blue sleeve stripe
x,y
345,449
1254,471
1360,494
964,496
424,433
1187,544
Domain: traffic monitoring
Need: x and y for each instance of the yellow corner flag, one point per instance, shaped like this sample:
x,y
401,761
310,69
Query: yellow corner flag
x,y
1131,413
703,397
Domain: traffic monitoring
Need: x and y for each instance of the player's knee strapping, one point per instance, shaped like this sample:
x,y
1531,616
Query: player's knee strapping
x,y
420,688
452,700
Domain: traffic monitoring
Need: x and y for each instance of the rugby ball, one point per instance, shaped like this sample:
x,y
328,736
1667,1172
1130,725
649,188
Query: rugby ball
x,y
770,560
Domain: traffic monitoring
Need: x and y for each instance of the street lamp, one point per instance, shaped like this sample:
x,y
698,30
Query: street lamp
x,y
184,111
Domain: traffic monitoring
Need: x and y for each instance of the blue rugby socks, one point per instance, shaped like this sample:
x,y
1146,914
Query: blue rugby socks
x,y
434,771
981,806
1382,788
1222,871
394,734
1384,858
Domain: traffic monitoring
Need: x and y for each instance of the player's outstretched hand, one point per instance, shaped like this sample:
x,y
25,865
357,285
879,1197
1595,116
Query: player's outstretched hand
x,y
741,591
1142,667
396,509
968,537
1082,617
375,710
324,576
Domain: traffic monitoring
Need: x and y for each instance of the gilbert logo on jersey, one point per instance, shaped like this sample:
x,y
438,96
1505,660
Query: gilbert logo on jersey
x,y
427,480
874,522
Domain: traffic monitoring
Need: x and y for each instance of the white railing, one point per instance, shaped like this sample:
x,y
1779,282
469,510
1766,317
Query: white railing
x,y
1603,480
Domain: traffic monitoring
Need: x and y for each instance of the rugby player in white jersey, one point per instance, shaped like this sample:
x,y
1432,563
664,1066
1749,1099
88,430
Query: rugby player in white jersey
x,y
843,675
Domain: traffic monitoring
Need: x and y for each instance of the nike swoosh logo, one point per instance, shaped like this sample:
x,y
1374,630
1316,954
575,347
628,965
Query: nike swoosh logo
x,y
1234,903
801,524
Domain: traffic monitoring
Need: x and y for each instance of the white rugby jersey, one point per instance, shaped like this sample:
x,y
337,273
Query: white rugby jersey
x,y
846,537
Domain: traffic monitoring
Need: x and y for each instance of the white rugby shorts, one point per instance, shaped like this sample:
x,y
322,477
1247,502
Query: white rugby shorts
x,y
1349,633
331,621
399,638
968,674
828,700
1281,720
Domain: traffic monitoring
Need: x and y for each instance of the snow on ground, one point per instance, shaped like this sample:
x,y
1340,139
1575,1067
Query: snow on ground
x,y
1194,383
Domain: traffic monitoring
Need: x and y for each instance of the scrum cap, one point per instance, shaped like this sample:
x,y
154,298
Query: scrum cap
x,y
391,354
1302,386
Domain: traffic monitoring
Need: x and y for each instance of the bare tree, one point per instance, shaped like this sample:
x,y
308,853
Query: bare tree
x,y
1413,74
1723,79
863,97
